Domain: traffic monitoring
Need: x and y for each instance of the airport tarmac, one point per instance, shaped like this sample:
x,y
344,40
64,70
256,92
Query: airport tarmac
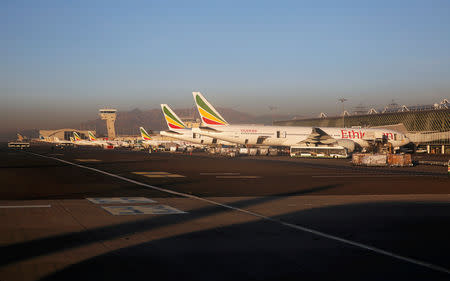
x,y
91,214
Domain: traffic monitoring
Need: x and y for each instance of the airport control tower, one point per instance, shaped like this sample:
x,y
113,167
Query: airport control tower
x,y
109,115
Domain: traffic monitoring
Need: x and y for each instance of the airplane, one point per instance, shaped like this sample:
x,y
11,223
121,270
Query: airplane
x,y
147,140
21,142
59,142
215,126
93,139
104,143
79,141
56,141
20,137
178,130
43,139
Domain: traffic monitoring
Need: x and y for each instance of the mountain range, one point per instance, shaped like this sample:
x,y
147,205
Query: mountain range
x,y
128,122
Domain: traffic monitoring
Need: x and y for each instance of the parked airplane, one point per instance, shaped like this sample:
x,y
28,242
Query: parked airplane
x,y
178,130
147,140
215,126
21,138
55,140
79,141
105,143
59,142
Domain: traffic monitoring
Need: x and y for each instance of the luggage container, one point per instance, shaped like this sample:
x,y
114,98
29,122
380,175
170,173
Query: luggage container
x,y
263,151
369,159
273,151
389,159
243,151
399,160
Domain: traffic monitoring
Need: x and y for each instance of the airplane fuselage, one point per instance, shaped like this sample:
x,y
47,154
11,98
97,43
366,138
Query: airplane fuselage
x,y
189,136
259,135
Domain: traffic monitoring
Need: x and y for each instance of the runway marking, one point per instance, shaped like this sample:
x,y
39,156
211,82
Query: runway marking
x,y
158,175
87,160
286,224
142,210
238,177
25,206
219,174
120,200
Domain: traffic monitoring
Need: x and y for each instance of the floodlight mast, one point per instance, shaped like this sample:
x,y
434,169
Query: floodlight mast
x,y
342,100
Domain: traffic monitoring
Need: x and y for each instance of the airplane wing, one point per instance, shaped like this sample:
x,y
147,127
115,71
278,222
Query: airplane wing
x,y
209,129
318,136
173,132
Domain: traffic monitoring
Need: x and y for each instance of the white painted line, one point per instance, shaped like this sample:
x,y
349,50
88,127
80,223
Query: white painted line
x,y
25,206
238,177
120,200
164,176
290,225
219,174
87,160
158,175
142,210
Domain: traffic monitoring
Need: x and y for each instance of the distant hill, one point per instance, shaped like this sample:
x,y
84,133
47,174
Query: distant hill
x,y
128,122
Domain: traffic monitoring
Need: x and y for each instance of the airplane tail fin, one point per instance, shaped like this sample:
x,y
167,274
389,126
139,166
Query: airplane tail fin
x,y
19,137
209,115
144,134
76,136
173,121
91,136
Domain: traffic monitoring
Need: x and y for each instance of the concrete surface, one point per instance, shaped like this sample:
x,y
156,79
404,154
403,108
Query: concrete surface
x,y
264,231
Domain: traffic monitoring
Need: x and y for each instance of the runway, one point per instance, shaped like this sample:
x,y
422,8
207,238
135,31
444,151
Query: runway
x,y
201,217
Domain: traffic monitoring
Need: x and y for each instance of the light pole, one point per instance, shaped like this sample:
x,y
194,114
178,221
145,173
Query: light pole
x,y
272,108
342,100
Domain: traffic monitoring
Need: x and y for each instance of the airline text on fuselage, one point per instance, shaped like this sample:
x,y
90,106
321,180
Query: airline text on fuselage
x,y
352,134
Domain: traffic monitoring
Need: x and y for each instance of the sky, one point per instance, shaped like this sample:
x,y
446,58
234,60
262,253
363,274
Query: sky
x,y
63,60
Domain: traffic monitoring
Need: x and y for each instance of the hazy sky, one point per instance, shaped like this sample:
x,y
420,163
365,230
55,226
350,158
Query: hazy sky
x,y
62,60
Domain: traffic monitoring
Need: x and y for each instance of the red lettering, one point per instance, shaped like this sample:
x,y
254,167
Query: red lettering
x,y
362,134
344,134
249,131
389,135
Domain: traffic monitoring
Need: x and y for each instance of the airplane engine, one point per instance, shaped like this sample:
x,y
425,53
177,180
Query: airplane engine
x,y
349,144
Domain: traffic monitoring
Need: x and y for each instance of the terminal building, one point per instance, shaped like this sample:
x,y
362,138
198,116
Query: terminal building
x,y
426,126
